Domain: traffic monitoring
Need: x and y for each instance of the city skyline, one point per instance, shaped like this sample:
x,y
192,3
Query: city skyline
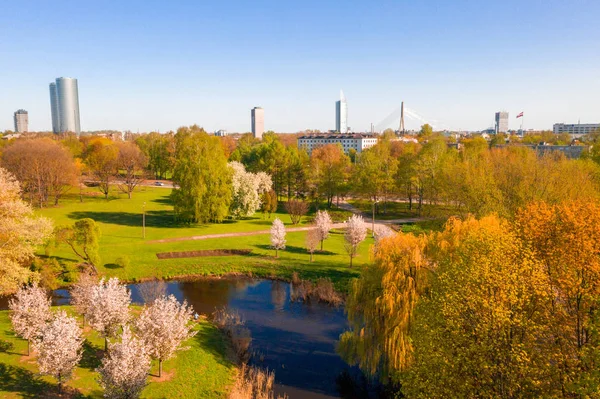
x,y
453,68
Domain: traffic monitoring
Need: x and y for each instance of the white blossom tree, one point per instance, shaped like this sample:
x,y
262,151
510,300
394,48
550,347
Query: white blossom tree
x,y
323,224
163,326
247,188
20,234
60,347
30,310
356,232
124,370
109,308
81,294
382,231
277,236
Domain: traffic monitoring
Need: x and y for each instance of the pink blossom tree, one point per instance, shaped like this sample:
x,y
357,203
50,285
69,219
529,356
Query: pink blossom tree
x,y
30,310
163,326
109,308
124,370
81,294
356,232
277,236
60,347
323,224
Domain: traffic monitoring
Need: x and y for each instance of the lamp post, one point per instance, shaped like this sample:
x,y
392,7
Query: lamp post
x,y
144,219
373,220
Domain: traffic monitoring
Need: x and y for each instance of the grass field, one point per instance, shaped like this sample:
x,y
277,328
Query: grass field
x,y
203,371
120,221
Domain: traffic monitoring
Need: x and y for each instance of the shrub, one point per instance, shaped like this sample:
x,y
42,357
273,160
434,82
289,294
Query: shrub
x,y
123,262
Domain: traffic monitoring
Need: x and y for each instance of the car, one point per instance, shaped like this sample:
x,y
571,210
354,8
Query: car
x,y
159,183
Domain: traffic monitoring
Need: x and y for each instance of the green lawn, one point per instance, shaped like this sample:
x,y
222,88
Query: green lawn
x,y
202,371
120,221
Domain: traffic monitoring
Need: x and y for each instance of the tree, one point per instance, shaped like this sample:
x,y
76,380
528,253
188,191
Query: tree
x,y
426,131
381,232
82,294
131,163
102,160
20,234
296,209
329,168
269,202
160,152
203,179
247,189
109,308
323,224
312,240
30,310
45,168
277,236
374,172
60,347
124,370
163,326
82,238
356,232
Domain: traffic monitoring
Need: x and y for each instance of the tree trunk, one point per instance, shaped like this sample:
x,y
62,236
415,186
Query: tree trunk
x,y
276,253
311,254
321,245
28,351
351,261
105,344
129,194
159,368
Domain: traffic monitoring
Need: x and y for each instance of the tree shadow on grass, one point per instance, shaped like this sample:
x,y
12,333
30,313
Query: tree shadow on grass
x,y
91,356
23,381
295,250
165,200
161,219
213,341
112,266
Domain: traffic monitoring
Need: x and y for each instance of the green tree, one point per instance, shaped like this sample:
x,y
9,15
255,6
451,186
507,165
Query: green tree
x,y
203,179
82,237
329,168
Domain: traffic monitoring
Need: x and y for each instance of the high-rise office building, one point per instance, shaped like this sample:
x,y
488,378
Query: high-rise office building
x,y
501,122
21,121
258,122
64,104
341,114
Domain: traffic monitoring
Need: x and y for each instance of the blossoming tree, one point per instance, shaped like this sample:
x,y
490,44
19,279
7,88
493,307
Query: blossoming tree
x,y
323,224
356,232
109,308
277,236
30,310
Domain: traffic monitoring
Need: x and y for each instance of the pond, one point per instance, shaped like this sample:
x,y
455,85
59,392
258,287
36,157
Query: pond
x,y
296,340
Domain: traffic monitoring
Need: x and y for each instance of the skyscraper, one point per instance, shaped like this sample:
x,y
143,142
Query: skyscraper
x,y
258,122
64,104
341,114
501,122
21,121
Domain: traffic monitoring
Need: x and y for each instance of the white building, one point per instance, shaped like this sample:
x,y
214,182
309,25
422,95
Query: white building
x,y
341,114
221,133
64,106
357,141
21,119
576,129
501,122
257,115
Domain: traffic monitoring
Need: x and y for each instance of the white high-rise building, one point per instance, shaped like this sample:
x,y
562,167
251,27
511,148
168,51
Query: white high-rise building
x,y
21,121
64,105
341,114
501,122
258,122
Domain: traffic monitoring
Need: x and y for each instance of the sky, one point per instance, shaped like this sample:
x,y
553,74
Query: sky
x,y
158,65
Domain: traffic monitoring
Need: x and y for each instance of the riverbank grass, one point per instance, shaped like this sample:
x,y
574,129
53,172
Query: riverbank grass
x,y
205,370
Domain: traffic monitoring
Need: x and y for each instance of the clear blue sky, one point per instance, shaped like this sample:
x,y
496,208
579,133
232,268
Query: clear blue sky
x,y
157,65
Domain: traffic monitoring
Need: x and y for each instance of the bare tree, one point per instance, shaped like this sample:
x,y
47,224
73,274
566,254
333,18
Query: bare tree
x,y
296,210
131,163
277,236
124,371
30,310
356,232
312,241
163,326
60,347
109,308
101,160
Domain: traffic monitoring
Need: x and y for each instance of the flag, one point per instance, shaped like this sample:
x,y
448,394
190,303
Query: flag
x,y
520,115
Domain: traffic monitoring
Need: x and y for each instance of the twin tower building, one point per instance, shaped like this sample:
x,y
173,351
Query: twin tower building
x,y
64,104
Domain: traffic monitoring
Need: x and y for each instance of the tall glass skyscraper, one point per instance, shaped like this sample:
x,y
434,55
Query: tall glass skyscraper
x,y
64,104
341,114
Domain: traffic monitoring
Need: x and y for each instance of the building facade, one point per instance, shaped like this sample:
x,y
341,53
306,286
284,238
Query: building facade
x,y
501,122
576,129
341,114
258,122
221,133
64,105
21,118
356,141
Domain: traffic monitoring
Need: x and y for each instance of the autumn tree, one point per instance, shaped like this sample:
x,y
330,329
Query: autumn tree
x,y
109,308
356,232
277,236
82,238
131,163
164,326
20,234
329,168
60,347
203,192
124,369
30,310
269,202
323,224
